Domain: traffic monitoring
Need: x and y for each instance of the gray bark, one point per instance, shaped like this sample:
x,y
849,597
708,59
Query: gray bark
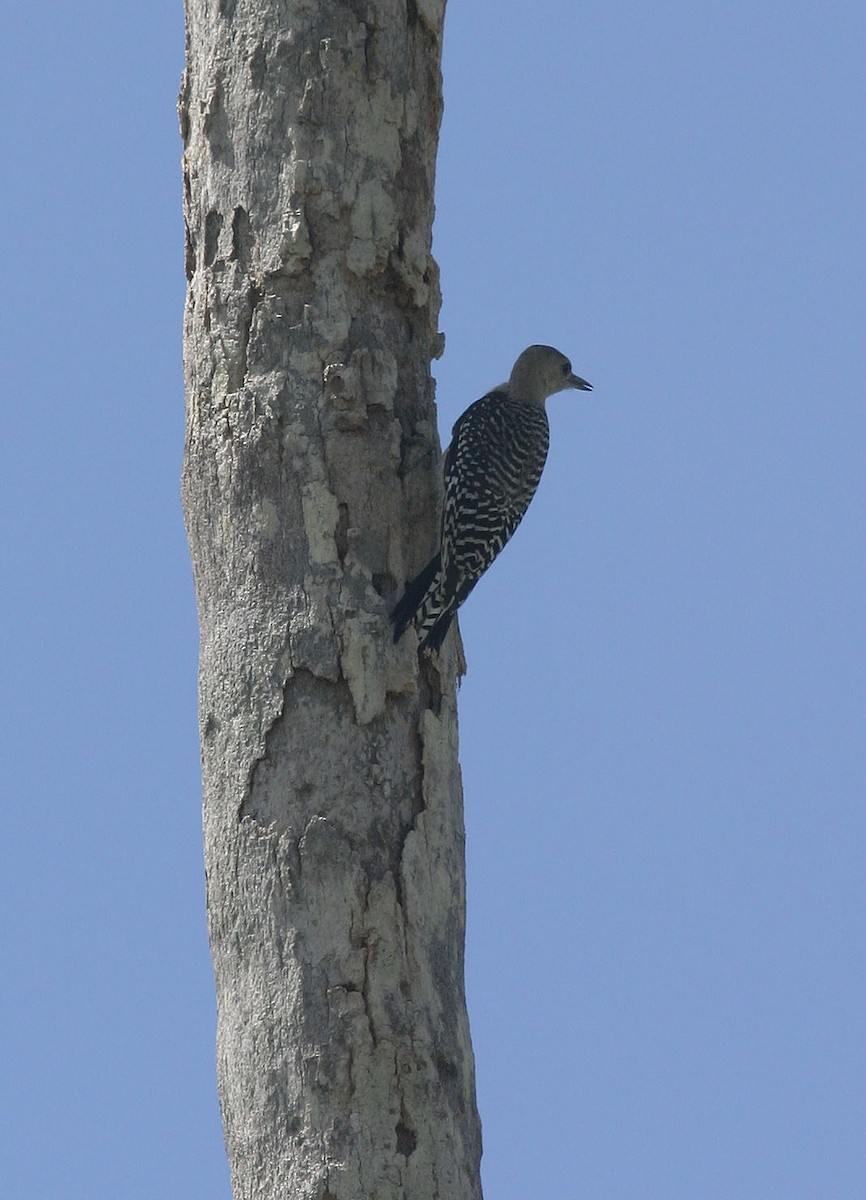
x,y
332,802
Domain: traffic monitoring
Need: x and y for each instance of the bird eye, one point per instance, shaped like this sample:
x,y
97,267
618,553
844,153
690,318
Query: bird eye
x,y
566,367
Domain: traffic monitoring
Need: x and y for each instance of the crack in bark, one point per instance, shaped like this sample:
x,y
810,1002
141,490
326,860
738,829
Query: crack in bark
x,y
212,228
254,299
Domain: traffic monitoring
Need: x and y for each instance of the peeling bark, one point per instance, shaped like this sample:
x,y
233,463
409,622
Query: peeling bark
x,y
332,801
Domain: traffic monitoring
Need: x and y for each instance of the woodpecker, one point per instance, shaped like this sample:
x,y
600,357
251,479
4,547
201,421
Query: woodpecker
x,y
492,468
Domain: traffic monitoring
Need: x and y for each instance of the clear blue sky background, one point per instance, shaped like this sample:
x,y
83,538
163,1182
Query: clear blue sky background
x,y
662,729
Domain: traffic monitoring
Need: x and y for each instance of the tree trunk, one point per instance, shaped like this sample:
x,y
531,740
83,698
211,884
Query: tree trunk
x,y
332,803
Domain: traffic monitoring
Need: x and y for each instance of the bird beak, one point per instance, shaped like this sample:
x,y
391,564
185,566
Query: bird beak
x,y
575,381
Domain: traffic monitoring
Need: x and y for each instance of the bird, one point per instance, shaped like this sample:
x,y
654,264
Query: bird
x,y
492,467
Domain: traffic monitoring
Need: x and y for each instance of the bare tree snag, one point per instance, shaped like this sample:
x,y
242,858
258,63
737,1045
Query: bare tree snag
x,y
332,802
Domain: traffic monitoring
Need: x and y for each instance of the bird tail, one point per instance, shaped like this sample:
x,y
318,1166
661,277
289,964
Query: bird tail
x,y
421,603
435,635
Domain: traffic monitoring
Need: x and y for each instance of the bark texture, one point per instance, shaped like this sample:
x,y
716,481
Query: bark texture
x,y
332,802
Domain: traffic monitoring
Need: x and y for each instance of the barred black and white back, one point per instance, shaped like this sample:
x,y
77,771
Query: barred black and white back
x,y
492,470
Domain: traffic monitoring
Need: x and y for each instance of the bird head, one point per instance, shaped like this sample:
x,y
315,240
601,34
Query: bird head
x,y
541,371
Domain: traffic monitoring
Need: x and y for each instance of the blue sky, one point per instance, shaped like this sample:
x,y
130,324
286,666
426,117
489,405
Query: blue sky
x,y
662,728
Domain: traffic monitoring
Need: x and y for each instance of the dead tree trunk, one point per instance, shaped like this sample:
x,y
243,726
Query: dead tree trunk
x,y
332,803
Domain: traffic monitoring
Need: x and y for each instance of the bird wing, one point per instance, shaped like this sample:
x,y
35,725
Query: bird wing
x,y
492,469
